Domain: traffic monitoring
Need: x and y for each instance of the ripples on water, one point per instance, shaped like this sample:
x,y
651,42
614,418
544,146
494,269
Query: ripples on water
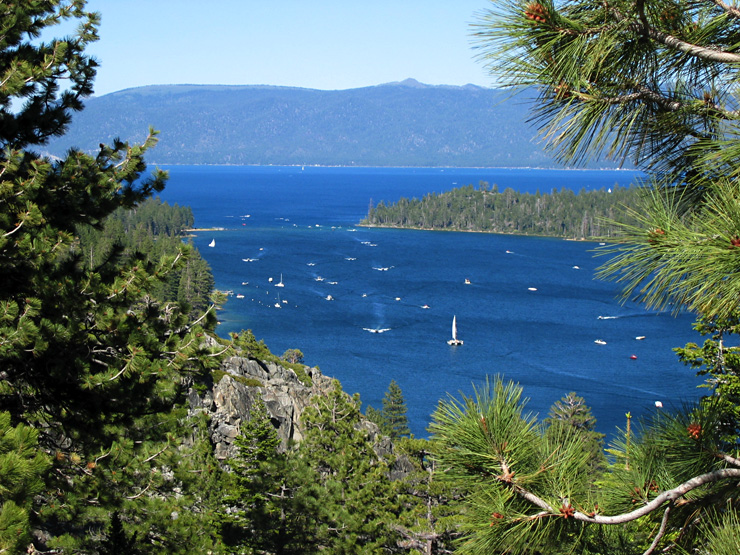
x,y
353,298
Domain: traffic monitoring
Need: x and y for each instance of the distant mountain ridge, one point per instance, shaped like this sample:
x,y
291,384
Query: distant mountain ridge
x,y
405,123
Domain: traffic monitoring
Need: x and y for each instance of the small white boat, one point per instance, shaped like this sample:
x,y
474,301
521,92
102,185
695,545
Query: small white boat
x,y
277,304
454,340
329,298
377,330
467,281
212,243
280,284
640,337
600,342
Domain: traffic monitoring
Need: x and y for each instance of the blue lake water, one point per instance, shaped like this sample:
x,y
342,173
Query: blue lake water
x,y
531,311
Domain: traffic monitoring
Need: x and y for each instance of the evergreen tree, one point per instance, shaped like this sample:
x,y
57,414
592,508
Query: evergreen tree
x,y
430,505
22,471
721,364
88,356
530,491
272,505
571,417
394,411
357,505
391,418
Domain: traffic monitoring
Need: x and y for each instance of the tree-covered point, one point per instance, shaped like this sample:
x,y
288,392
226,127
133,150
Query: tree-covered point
x,y
153,229
563,213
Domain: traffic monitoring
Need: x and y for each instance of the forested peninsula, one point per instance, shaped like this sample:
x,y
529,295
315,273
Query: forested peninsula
x,y
560,213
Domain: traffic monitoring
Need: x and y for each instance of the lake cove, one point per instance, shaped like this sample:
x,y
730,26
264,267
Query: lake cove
x,y
526,308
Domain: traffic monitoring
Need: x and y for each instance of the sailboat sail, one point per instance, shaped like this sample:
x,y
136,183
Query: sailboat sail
x,y
212,243
454,340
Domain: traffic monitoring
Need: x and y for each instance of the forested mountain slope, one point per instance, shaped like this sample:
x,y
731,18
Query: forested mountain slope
x,y
397,124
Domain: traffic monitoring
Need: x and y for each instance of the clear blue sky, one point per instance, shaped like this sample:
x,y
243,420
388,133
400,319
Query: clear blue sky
x,y
321,44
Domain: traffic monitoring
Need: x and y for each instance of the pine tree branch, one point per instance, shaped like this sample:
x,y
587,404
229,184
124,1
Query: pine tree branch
x,y
731,11
661,531
702,52
142,492
730,459
668,495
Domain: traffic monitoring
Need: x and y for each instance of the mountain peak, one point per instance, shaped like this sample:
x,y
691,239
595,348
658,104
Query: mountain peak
x,y
410,82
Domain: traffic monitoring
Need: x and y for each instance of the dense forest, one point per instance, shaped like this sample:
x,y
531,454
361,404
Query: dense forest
x,y
151,230
586,215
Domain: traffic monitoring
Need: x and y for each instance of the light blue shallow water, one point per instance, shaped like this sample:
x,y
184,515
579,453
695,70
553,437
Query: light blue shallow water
x,y
527,313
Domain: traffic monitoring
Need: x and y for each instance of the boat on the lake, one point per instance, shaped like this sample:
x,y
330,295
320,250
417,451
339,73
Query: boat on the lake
x,y
377,330
280,284
212,243
454,340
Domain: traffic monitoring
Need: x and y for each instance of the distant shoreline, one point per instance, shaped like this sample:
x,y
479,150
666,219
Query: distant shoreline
x,y
339,166
511,234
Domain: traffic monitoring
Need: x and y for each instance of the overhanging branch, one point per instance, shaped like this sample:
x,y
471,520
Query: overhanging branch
x,y
667,496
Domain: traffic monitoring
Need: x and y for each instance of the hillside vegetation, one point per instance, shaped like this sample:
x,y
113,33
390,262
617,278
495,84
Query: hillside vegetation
x,y
586,215
397,124
152,230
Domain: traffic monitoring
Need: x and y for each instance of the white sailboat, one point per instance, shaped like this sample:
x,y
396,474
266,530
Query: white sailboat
x,y
454,340
281,282
212,243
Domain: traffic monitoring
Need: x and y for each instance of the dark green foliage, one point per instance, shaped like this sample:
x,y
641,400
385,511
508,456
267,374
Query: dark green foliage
x,y
330,494
391,418
90,356
570,417
23,468
273,503
535,487
720,363
431,505
117,540
587,215
155,230
358,506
